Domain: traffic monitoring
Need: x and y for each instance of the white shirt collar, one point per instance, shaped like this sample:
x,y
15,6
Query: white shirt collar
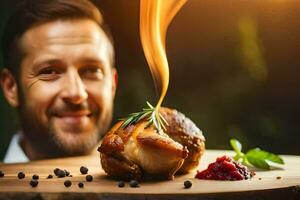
x,y
15,153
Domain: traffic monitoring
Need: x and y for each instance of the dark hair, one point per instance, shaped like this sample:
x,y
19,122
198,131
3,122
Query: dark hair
x,y
30,13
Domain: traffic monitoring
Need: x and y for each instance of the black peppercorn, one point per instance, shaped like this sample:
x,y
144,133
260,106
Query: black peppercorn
x,y
34,183
67,172
1,173
121,184
134,183
56,171
187,184
61,173
67,183
84,170
89,178
50,176
80,184
35,176
21,175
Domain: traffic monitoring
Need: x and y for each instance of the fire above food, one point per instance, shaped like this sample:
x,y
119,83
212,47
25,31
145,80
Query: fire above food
x,y
157,141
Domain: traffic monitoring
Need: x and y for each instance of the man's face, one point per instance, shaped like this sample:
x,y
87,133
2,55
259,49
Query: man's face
x,y
66,87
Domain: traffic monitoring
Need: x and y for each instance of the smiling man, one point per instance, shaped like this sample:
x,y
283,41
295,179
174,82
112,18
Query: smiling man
x,y
59,74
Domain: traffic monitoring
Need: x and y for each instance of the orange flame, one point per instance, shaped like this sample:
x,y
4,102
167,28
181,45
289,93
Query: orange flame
x,y
155,17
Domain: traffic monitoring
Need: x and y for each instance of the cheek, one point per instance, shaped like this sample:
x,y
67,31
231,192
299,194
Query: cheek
x,y
39,97
101,94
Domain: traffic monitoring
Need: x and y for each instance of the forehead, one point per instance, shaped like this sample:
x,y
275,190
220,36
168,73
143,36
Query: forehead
x,y
66,37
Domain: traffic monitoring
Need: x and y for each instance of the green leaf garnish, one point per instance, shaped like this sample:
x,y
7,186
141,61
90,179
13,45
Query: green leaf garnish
x,y
150,114
255,157
236,145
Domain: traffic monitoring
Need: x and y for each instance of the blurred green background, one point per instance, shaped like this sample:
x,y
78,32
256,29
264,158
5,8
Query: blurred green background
x,y
233,70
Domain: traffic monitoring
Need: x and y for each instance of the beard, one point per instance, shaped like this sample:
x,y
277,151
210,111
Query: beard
x,y
73,144
51,141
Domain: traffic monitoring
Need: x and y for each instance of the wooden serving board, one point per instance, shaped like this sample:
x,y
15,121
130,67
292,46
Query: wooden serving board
x,y
275,184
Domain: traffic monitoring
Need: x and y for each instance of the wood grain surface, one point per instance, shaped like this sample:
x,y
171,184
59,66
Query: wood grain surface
x,y
275,184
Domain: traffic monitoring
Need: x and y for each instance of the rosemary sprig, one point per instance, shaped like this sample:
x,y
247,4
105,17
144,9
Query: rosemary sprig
x,y
152,116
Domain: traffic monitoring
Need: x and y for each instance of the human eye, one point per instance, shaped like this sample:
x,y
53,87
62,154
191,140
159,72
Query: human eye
x,y
49,73
49,70
92,72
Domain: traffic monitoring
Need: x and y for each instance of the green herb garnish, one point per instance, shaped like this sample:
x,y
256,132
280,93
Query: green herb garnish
x,y
150,114
255,157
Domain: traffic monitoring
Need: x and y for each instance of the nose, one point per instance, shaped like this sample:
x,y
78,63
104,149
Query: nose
x,y
74,89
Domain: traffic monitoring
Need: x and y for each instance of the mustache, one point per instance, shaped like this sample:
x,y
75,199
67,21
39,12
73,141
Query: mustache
x,y
68,107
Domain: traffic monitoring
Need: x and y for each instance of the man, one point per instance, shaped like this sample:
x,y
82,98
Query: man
x,y
59,74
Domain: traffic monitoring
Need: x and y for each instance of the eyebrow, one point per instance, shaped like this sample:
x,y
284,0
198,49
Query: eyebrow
x,y
36,64
52,60
90,60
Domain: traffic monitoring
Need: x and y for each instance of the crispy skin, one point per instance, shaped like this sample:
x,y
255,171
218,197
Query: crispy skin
x,y
159,154
183,130
118,166
137,151
113,161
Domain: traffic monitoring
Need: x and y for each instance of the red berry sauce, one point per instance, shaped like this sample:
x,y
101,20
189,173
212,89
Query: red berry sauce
x,y
225,168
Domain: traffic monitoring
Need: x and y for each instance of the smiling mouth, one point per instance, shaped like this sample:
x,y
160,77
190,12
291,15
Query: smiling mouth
x,y
74,118
74,114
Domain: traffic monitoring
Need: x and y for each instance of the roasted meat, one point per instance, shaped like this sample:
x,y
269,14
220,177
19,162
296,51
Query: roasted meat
x,y
138,151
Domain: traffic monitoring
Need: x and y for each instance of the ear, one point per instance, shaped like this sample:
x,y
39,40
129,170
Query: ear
x,y
115,81
9,87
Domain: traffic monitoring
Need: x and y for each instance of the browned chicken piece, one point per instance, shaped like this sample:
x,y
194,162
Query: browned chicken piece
x,y
138,151
183,130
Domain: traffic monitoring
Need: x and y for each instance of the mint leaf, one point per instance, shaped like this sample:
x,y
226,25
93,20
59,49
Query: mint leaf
x,y
246,162
261,154
236,145
258,162
255,157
